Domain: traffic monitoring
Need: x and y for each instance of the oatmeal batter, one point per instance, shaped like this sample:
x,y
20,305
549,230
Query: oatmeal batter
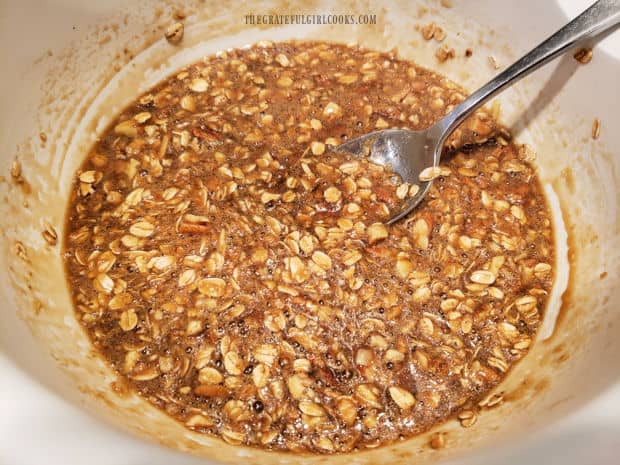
x,y
239,275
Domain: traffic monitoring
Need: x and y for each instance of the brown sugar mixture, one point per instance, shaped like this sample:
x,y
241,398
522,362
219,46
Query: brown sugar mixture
x,y
238,274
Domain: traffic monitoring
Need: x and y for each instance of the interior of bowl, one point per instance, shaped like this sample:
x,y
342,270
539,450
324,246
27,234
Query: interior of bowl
x,y
71,91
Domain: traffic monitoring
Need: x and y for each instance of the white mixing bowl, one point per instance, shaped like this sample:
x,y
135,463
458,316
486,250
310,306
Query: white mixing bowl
x,y
70,65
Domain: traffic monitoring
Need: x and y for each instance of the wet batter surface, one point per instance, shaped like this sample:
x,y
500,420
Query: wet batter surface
x,y
240,276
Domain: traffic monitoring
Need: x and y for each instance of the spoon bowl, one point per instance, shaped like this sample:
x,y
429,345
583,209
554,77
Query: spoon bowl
x,y
406,153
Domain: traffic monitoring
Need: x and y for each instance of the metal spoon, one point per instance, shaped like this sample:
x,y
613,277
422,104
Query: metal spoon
x,y
409,152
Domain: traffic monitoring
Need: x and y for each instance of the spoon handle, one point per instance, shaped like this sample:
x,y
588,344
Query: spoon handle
x,y
602,15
